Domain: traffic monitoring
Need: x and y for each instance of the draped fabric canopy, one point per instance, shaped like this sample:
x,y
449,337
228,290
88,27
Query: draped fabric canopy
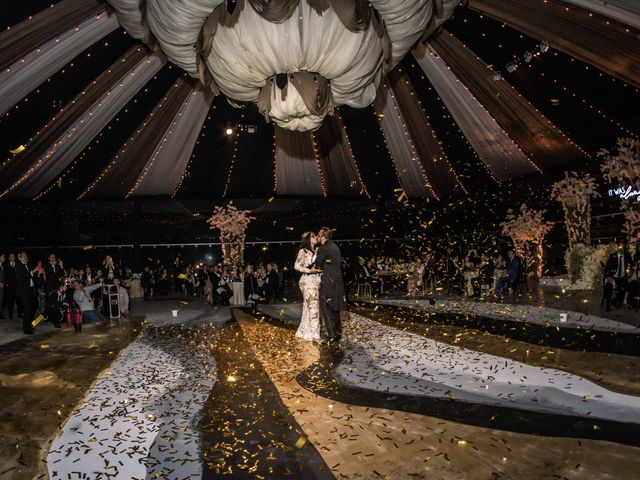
x,y
303,63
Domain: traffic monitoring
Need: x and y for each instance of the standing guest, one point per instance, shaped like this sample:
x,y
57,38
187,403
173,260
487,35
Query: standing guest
x,y
26,290
280,282
146,281
2,259
52,274
123,297
10,285
416,276
221,291
251,289
110,271
163,283
270,282
616,276
82,296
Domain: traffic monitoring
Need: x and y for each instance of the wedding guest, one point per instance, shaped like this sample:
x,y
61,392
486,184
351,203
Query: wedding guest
x,y
220,288
146,282
363,275
82,297
26,290
53,274
251,289
616,277
57,304
416,277
123,297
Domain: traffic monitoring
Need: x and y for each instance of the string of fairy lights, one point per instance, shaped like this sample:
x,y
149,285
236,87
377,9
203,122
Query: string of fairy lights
x,y
415,157
236,137
350,153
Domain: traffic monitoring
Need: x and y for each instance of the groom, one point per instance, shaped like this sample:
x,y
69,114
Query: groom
x,y
332,295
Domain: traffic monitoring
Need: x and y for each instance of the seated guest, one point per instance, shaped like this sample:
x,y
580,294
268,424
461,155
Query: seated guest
x,y
123,297
82,296
57,304
416,277
362,274
220,288
485,274
455,277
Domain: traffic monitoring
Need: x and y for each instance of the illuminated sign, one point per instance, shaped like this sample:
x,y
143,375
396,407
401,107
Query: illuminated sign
x,y
624,193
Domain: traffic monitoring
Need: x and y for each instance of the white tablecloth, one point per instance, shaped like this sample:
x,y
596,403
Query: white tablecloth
x,y
136,289
238,293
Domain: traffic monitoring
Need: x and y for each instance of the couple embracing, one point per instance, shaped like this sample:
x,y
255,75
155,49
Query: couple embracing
x,y
323,294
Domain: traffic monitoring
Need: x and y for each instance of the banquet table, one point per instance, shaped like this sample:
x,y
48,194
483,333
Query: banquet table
x,y
238,293
136,289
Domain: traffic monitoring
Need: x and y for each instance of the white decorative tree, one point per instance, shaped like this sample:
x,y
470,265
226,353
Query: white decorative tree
x,y
232,224
622,166
574,194
527,229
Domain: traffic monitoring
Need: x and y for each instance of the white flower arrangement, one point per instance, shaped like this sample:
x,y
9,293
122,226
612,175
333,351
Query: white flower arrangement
x,y
232,224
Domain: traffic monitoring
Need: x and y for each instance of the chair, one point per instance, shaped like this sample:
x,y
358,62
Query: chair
x,y
365,288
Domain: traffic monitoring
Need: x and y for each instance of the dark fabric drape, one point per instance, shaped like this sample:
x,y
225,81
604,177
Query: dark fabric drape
x,y
119,176
297,171
545,144
13,168
28,35
338,166
434,160
599,41
275,11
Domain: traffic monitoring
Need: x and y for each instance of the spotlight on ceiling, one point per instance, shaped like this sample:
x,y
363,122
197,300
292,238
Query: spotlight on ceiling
x,y
511,67
544,46
528,56
229,131
497,75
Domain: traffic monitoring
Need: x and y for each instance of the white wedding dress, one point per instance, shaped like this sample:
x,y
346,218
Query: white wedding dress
x,y
309,328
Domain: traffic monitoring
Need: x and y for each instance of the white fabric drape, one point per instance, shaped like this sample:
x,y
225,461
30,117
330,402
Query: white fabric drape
x,y
297,170
404,20
624,11
403,151
176,25
129,16
78,136
166,166
243,57
497,151
28,73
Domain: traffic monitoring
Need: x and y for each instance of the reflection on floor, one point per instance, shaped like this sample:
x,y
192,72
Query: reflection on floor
x,y
216,393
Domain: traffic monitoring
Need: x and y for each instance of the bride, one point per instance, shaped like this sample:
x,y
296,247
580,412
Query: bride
x,y
309,328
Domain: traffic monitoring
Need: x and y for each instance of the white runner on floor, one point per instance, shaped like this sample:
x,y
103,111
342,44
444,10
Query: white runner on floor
x,y
519,313
386,359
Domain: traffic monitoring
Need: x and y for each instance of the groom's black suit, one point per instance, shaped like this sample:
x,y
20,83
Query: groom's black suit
x,y
332,295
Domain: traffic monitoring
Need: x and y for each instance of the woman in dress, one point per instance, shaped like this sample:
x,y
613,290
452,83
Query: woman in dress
x,y
309,328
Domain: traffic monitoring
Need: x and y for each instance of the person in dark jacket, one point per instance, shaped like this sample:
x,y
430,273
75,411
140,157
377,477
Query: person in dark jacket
x,y
251,289
26,290
57,304
52,274
9,300
332,293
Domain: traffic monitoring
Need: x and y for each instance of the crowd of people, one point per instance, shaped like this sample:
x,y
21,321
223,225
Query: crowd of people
x,y
50,289
471,275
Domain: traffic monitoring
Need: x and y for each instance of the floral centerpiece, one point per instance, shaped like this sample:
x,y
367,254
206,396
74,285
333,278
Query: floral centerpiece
x,y
232,224
527,229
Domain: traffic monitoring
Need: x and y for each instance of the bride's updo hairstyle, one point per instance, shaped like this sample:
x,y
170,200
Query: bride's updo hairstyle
x,y
305,241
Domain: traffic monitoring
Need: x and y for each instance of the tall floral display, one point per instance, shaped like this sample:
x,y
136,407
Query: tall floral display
x,y
232,224
527,229
574,193
621,167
